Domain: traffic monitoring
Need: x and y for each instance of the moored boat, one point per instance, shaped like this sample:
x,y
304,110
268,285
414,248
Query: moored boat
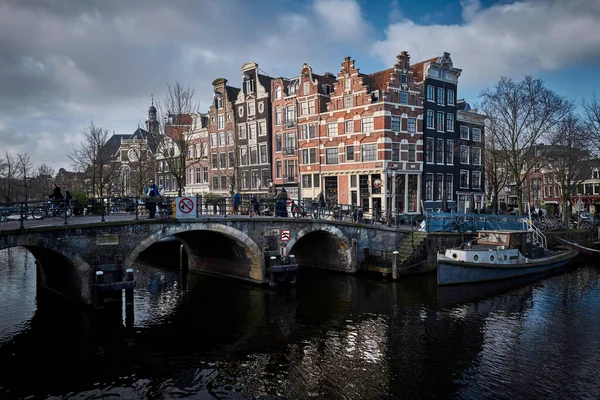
x,y
586,251
496,255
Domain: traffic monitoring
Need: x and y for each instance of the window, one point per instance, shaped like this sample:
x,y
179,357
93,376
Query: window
x,y
439,186
289,170
464,132
263,154
395,151
253,155
251,108
253,179
440,121
430,93
429,149
278,169
306,88
252,131
231,159
349,126
190,176
311,107
304,108
396,124
215,183
289,144
221,139
404,97
349,153
277,92
306,181
404,79
214,161
367,124
264,177
348,101
449,184
450,98
475,155
464,154
412,125
430,119
221,122
198,173
353,181
316,180
476,135
440,96
305,156
450,152
347,84
464,179
277,116
331,156
412,152
439,151
332,129
249,85
205,174
262,128
369,152
243,156
278,142
290,115
245,180
450,122
476,178
428,187
307,131
292,89
229,138
222,160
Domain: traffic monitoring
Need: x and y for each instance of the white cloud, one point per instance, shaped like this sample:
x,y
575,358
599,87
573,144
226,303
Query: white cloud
x,y
504,40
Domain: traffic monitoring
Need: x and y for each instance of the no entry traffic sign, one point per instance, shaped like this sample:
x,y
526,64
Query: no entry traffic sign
x,y
186,207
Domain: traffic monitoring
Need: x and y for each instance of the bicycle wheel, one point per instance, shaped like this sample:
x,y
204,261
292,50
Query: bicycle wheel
x,y
61,212
38,213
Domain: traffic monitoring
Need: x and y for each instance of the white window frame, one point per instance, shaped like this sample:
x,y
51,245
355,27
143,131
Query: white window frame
x,y
464,132
460,180
367,124
349,124
430,93
478,134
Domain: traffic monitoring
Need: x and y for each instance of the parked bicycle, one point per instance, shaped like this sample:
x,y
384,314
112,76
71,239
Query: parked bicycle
x,y
51,209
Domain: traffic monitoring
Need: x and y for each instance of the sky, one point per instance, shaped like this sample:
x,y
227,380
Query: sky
x,y
64,63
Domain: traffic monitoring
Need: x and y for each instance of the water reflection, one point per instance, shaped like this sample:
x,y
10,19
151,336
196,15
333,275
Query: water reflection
x,y
333,336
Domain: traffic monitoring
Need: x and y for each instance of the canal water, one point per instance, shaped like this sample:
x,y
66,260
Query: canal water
x,y
332,337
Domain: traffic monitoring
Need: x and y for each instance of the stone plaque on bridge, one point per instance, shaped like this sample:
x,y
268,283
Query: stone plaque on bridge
x,y
107,240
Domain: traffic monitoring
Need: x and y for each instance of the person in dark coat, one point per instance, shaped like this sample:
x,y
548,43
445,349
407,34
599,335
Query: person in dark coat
x,y
151,203
56,195
255,204
281,205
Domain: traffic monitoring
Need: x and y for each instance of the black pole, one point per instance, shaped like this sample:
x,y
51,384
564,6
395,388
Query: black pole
x,y
102,209
22,217
136,208
66,211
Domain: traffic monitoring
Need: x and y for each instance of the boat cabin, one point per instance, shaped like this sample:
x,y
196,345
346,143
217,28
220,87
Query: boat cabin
x,y
508,239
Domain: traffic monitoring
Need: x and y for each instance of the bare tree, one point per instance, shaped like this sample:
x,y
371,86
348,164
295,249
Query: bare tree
x,y
92,157
570,161
142,171
9,173
591,117
174,141
41,180
522,115
25,167
495,171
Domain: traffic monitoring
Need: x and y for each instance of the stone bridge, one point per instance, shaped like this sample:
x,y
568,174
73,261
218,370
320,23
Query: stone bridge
x,y
68,255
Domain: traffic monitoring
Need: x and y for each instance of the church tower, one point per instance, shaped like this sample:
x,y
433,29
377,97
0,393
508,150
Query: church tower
x,y
152,122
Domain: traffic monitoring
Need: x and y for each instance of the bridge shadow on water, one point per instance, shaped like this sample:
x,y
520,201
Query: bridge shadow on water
x,y
333,335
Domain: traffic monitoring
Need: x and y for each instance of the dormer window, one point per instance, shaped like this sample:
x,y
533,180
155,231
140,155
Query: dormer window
x,y
218,100
277,92
249,84
292,89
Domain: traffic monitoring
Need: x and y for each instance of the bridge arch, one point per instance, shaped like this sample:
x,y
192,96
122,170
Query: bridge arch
x,y
212,247
323,246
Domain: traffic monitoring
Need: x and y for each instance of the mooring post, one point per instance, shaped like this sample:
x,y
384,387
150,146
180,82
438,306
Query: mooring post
x,y
99,297
395,265
102,210
292,259
183,261
23,216
129,291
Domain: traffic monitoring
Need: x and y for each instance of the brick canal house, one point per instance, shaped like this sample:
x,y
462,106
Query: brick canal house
x,y
297,106
368,145
252,143
470,194
438,80
221,132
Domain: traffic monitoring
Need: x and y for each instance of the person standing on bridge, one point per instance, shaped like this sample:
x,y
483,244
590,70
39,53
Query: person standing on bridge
x,y
236,199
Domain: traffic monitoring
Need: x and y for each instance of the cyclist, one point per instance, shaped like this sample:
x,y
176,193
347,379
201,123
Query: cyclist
x,y
56,195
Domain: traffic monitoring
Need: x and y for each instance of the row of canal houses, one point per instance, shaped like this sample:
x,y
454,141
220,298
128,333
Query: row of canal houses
x,y
395,139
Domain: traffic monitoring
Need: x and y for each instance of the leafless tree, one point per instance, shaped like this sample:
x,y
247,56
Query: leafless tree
x,y
522,115
142,171
591,116
9,173
173,141
41,180
92,157
570,160
25,167
495,171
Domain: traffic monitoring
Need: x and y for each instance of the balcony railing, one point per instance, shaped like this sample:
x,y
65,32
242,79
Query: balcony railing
x,y
290,151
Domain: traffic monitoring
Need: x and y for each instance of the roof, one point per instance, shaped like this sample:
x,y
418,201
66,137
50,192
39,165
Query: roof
x,y
329,79
232,93
265,81
379,80
419,67
114,142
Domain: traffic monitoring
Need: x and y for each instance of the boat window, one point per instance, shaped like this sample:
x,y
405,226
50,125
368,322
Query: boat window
x,y
505,257
475,257
492,258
